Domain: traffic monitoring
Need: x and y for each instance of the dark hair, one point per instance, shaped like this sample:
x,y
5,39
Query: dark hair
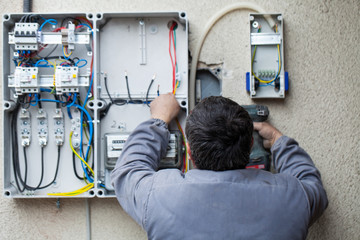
x,y
219,132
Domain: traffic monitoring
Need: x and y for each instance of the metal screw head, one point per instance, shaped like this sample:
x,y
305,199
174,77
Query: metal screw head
x,y
58,122
25,122
41,122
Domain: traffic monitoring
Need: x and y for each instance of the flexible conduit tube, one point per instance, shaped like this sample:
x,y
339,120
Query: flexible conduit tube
x,y
27,6
209,25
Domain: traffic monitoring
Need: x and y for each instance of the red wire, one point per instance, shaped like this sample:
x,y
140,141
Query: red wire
x,y
173,61
85,19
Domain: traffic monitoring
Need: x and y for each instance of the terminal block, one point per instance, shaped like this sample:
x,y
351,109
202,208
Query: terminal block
x,y
66,79
25,36
25,127
75,128
59,129
25,80
68,36
42,127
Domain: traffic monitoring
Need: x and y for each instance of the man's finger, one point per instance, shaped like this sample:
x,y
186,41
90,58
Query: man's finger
x,y
257,125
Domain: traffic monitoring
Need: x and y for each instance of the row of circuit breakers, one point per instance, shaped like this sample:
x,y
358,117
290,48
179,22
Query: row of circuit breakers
x,y
76,85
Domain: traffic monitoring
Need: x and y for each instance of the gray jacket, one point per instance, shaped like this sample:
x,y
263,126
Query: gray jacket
x,y
201,204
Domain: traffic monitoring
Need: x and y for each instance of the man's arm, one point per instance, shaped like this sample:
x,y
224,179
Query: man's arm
x,y
133,174
290,159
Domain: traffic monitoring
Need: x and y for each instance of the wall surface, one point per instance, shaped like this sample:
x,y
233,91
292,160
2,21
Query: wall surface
x,y
321,111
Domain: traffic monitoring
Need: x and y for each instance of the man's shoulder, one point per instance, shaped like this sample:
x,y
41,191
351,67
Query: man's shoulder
x,y
239,176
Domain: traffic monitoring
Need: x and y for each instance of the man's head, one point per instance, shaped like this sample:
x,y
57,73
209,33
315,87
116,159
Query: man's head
x,y
219,132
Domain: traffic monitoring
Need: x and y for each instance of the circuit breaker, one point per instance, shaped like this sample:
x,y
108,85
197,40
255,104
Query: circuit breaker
x,y
267,77
75,86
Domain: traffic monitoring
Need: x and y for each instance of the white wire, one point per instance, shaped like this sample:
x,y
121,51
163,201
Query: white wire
x,y
209,25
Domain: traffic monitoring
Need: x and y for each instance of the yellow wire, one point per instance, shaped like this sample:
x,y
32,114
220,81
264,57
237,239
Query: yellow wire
x,y
54,65
83,189
72,148
176,86
184,140
74,193
66,55
252,62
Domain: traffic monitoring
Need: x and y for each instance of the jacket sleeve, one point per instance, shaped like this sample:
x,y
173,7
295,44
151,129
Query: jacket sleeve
x,y
291,159
134,172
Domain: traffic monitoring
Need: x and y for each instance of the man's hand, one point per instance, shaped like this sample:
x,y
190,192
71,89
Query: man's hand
x,y
268,133
165,107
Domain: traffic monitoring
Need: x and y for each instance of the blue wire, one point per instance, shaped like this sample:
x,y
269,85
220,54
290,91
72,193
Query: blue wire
x,y
36,100
51,21
40,61
45,90
81,60
91,131
69,113
73,102
70,105
84,24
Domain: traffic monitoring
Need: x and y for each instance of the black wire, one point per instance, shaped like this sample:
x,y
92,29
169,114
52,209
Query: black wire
x,y
60,57
42,170
15,152
147,93
22,18
48,55
118,102
128,90
39,102
57,99
74,168
56,171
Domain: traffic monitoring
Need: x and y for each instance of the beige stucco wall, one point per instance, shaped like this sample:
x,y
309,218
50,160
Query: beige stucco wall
x,y
322,110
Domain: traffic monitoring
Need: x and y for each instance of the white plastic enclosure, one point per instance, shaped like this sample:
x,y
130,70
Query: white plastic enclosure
x,y
119,45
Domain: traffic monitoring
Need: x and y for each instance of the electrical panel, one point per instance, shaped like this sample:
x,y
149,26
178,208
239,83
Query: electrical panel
x,y
75,86
267,77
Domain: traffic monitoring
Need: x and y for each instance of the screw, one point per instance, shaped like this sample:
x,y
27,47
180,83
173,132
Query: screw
x,y
25,122
58,122
41,122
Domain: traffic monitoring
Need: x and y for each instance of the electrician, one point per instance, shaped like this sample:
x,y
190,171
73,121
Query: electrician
x,y
219,199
